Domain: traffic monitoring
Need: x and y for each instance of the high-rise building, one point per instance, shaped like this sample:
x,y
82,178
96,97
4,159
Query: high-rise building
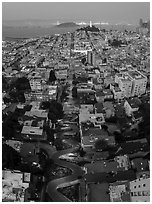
x,y
139,82
132,83
125,84
91,58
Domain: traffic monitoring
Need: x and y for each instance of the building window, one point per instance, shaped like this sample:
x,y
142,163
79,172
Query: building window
x,y
135,193
139,193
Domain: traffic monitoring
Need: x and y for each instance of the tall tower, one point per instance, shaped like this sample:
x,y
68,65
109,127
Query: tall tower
x,y
90,24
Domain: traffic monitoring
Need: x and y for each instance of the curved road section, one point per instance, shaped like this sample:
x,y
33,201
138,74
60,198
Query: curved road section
x,y
52,187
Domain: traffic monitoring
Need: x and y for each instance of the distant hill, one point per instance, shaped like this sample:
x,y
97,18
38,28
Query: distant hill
x,y
91,29
69,24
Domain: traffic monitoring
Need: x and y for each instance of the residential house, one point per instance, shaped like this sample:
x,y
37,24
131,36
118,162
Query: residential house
x,y
131,106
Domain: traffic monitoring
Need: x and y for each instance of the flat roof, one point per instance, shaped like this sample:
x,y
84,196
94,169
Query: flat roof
x,y
32,130
14,182
104,166
90,140
37,113
117,89
136,75
119,192
94,132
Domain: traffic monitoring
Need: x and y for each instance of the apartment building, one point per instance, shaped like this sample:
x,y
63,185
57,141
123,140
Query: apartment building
x,y
140,190
125,84
139,82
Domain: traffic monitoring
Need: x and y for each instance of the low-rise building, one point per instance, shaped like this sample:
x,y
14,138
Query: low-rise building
x,y
119,191
118,94
90,135
131,106
140,190
14,184
120,163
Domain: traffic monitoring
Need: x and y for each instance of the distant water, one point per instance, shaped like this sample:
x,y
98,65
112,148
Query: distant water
x,y
10,32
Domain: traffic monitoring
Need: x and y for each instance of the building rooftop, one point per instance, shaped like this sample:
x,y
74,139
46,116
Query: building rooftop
x,y
98,192
31,130
136,75
140,164
119,192
117,89
124,77
105,166
14,184
37,113
133,103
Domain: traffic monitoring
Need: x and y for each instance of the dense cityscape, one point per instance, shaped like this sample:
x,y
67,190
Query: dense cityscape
x,y
76,116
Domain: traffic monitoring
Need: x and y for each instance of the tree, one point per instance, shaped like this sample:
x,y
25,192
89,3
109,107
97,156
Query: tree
x,y
104,127
83,60
55,111
45,105
74,92
74,77
11,159
59,144
101,145
52,76
4,84
144,126
118,136
6,99
22,84
81,152
21,97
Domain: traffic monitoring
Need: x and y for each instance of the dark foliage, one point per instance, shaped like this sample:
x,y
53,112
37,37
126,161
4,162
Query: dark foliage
x,y
22,84
10,157
52,76
59,144
55,109
88,28
115,43
83,60
74,92
45,105
101,145
4,84
144,126
111,119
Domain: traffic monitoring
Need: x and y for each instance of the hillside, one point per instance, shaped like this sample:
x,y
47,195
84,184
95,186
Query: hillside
x,y
68,24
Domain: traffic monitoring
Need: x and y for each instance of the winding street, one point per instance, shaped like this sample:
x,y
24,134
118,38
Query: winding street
x,y
53,185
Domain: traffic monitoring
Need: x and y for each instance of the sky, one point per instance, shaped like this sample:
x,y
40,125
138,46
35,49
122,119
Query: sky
x,y
117,12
